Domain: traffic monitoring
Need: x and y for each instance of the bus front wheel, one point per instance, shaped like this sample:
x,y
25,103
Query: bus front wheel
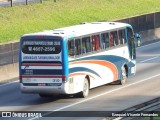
x,y
123,77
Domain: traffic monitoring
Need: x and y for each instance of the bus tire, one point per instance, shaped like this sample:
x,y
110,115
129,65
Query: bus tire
x,y
123,76
85,91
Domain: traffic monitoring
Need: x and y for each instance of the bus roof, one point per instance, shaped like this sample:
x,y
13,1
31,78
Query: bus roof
x,y
82,29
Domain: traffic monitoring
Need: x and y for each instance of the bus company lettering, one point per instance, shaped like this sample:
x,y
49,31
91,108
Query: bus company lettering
x,y
41,58
38,43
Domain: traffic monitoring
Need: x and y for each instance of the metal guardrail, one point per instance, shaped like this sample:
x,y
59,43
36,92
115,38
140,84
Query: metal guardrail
x,y
143,22
18,2
9,53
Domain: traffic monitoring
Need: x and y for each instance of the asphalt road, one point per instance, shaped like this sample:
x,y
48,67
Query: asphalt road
x,y
138,89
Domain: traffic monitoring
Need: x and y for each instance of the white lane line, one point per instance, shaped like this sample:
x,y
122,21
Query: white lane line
x,y
9,83
149,59
148,45
108,92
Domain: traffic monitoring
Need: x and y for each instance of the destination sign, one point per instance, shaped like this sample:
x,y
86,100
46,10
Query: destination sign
x,y
41,47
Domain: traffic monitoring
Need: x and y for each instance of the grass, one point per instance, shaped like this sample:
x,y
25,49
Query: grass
x,y
18,20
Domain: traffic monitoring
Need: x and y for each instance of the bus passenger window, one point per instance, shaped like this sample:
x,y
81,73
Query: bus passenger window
x,y
71,47
88,44
122,37
93,44
84,45
115,38
96,43
77,46
105,40
111,39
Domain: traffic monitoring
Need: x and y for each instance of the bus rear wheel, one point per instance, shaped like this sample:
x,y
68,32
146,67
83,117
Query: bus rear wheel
x,y
123,76
85,91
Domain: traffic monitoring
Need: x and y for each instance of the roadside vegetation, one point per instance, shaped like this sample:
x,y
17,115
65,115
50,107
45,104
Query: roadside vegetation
x,y
18,20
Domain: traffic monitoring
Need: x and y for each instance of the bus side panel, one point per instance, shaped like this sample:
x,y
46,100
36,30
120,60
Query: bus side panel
x,y
101,67
75,83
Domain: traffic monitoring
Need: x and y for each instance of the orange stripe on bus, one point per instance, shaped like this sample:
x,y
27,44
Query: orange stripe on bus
x,y
100,62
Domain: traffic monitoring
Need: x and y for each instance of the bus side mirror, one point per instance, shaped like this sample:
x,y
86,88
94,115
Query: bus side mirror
x,y
138,39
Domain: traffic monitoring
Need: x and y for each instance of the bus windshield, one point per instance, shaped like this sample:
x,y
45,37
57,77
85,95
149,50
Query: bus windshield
x,y
42,46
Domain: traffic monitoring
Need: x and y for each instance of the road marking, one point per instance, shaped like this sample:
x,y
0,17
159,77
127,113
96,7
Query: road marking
x,y
9,83
85,100
148,45
149,59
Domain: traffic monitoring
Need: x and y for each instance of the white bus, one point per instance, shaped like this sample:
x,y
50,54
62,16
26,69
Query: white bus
x,y
74,59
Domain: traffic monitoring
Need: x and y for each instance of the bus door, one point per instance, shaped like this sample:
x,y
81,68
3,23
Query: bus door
x,y
132,52
41,61
131,43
